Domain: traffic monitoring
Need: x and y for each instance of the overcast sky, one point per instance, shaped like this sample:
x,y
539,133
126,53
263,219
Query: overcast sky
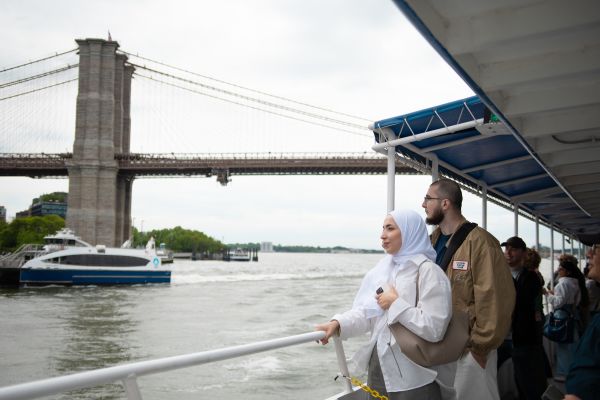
x,y
358,57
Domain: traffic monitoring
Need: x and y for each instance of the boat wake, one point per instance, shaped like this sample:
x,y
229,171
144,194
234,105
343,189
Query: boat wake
x,y
187,279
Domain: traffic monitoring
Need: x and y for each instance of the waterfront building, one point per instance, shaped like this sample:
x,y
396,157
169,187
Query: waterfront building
x,y
266,247
42,208
49,208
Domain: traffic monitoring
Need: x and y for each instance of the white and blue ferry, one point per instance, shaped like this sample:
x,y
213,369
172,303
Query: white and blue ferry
x,y
68,260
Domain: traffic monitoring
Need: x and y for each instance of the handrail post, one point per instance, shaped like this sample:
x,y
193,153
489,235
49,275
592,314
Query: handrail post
x,y
341,358
131,388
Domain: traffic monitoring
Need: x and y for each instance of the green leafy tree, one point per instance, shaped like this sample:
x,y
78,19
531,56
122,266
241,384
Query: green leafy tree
x,y
28,230
54,196
179,239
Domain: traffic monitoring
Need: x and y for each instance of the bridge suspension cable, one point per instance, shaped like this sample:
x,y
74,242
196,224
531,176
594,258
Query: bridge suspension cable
x,y
42,75
369,120
38,89
38,60
253,99
254,107
37,103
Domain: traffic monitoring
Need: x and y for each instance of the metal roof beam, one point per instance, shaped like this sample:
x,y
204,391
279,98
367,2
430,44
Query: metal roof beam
x,y
426,135
538,194
526,71
579,157
573,141
495,164
558,121
454,143
519,180
556,207
577,189
581,37
564,200
587,196
582,179
513,23
549,97
570,170
564,213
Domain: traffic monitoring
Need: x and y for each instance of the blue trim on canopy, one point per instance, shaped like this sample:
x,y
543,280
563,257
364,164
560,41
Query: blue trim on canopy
x,y
495,157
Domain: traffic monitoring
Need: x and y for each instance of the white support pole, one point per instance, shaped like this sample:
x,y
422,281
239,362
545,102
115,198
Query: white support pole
x,y
537,233
131,388
391,176
484,206
341,358
516,221
426,135
435,168
563,243
571,239
552,256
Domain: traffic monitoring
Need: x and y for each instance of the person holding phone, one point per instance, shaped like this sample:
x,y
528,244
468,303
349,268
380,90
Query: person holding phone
x,y
387,295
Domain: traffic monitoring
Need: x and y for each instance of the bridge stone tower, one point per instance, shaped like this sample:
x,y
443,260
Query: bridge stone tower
x,y
99,197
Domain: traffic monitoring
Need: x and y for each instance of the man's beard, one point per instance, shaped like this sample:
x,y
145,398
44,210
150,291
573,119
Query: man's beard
x,y
436,217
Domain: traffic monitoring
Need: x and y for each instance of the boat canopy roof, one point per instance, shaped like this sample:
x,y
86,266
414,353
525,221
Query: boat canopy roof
x,y
536,67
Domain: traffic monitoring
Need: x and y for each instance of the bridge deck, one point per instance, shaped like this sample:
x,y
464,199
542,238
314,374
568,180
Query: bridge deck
x,y
140,165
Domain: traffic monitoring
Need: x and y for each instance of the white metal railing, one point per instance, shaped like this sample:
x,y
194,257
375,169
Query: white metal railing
x,y
128,373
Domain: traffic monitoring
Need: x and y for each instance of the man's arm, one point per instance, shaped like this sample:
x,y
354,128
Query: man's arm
x,y
494,295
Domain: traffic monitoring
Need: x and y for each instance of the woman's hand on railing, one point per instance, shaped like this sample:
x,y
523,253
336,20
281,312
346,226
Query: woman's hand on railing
x,y
330,328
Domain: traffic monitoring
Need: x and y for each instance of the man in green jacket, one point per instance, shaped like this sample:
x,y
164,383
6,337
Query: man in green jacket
x,y
481,284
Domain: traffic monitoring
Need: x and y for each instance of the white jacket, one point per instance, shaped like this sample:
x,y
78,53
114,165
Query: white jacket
x,y
565,292
429,320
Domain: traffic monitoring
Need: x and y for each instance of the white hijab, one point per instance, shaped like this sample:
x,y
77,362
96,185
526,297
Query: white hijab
x,y
415,241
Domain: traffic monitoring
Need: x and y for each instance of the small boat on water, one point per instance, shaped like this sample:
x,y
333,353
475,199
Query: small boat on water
x,y
238,254
166,255
65,259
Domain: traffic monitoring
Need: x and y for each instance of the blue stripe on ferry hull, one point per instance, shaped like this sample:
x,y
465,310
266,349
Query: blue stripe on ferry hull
x,y
93,277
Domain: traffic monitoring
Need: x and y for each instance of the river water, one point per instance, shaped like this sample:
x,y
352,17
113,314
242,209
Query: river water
x,y
53,331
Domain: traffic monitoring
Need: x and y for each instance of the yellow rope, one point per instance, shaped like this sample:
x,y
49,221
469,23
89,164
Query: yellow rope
x,y
374,393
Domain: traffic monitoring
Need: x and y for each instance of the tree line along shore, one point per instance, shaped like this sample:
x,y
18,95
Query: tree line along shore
x,y
33,229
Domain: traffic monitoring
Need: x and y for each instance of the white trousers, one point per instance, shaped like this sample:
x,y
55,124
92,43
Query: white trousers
x,y
475,383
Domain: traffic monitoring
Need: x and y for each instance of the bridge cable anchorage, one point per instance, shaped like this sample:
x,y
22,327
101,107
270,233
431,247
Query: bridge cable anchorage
x,y
39,89
42,75
253,107
244,87
253,99
36,61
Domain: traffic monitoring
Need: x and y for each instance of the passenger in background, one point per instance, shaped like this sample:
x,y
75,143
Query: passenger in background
x,y
583,380
532,262
527,350
593,288
568,294
387,295
481,285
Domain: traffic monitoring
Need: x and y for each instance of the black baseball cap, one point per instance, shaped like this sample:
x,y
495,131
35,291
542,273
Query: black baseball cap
x,y
515,242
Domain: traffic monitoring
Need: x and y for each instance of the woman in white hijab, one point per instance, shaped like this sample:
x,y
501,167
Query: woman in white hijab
x,y
406,242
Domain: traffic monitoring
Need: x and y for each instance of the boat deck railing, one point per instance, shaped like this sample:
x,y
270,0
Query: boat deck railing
x,y
127,374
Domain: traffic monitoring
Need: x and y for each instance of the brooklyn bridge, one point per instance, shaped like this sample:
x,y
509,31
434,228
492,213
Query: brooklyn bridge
x,y
101,167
